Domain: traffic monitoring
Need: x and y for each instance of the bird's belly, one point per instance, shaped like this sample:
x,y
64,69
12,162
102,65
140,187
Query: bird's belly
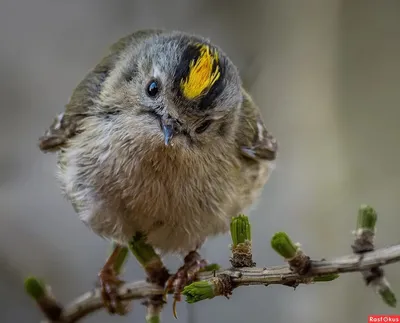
x,y
178,219
178,225
171,203
176,202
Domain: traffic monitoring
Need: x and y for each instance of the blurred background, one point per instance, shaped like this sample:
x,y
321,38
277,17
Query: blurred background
x,y
327,76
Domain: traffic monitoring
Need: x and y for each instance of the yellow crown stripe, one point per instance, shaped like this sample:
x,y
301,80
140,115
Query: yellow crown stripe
x,y
201,75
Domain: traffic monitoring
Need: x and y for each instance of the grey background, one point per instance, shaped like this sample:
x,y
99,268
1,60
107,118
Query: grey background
x,y
327,75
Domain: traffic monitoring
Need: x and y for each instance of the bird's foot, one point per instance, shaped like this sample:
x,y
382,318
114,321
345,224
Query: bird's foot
x,y
193,263
109,283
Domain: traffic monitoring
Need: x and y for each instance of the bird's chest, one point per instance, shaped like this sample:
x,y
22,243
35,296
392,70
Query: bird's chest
x,y
173,198
169,185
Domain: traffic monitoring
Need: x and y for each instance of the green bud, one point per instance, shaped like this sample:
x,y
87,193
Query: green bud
x,y
240,229
388,297
282,244
35,288
199,291
367,218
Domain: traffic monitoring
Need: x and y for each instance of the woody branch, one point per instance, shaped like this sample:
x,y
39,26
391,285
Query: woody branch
x,y
300,269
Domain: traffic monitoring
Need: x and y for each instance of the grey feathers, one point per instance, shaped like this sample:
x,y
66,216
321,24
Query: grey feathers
x,y
115,167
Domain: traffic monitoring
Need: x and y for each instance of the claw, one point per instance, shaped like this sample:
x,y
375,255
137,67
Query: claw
x,y
165,294
174,309
109,283
184,276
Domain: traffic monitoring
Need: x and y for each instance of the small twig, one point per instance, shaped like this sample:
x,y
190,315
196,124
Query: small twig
x,y
364,242
41,293
92,301
154,313
216,282
281,275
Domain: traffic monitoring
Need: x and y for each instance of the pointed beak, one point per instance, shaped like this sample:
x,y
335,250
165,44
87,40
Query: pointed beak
x,y
169,127
168,133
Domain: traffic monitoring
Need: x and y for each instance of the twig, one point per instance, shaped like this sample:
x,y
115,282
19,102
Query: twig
x,y
322,270
300,270
280,275
44,298
364,242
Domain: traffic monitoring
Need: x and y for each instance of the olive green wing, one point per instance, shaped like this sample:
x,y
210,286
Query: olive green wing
x,y
254,140
65,125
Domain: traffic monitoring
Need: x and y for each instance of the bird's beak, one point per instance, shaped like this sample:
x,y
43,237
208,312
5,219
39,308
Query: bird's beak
x,y
169,129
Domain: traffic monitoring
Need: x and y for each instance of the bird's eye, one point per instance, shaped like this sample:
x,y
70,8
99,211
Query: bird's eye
x,y
152,88
203,127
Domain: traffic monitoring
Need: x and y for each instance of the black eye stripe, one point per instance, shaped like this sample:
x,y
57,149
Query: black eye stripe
x,y
203,126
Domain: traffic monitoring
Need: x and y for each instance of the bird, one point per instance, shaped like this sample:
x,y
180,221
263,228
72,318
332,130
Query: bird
x,y
161,138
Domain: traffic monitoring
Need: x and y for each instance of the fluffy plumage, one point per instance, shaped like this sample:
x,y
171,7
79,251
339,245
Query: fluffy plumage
x,y
115,167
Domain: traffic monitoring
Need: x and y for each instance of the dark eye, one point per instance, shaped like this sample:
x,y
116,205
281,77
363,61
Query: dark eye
x,y
203,127
152,88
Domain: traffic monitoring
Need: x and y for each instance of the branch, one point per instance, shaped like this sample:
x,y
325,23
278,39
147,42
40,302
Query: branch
x,y
280,275
364,242
299,270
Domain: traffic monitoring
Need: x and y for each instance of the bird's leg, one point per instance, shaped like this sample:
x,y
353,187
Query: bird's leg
x,y
193,263
109,280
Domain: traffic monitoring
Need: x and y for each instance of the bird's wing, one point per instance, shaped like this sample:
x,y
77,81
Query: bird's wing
x,y
253,139
65,125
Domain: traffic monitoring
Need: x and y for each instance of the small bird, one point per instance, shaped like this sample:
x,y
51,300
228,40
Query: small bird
x,y
161,138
